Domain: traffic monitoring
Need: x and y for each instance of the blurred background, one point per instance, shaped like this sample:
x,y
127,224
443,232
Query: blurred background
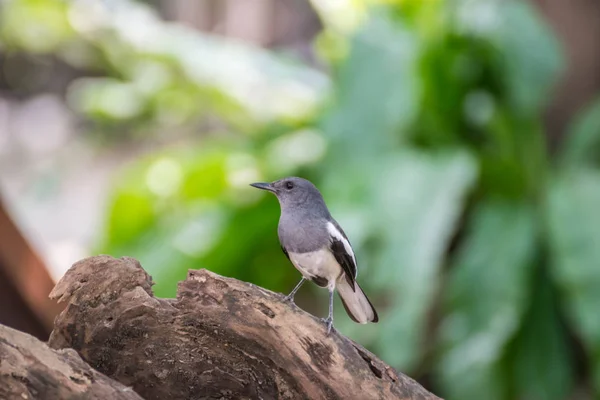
x,y
457,143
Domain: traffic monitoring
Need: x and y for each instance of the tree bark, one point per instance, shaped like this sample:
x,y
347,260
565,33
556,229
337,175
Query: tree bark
x,y
220,338
29,369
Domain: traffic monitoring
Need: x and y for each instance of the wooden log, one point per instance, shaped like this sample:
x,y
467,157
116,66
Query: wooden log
x,y
220,338
29,369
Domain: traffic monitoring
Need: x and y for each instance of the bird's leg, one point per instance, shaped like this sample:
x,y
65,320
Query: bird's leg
x,y
290,297
329,320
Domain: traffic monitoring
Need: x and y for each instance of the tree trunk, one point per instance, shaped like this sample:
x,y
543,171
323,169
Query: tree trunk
x,y
221,338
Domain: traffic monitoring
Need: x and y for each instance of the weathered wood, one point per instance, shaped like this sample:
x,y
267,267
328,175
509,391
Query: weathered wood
x,y
221,338
29,369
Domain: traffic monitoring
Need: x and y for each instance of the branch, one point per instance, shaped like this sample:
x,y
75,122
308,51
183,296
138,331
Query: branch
x,y
31,370
219,338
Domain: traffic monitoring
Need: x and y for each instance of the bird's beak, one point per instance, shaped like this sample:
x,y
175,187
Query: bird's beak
x,y
263,186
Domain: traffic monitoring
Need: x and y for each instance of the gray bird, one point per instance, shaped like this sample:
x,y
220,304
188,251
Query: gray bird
x,y
318,247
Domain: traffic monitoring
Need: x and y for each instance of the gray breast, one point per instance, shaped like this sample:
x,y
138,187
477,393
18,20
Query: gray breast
x,y
302,234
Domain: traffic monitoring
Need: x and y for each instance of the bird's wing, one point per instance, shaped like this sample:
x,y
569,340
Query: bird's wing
x,y
285,252
342,251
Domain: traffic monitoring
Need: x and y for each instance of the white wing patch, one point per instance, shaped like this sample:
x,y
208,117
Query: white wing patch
x,y
333,231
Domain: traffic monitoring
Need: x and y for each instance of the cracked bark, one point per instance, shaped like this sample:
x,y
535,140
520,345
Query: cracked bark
x,y
220,338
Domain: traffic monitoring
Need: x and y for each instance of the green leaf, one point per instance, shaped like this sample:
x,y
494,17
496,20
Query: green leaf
x,y
530,74
543,368
574,226
130,214
418,201
377,93
486,297
582,141
34,25
515,28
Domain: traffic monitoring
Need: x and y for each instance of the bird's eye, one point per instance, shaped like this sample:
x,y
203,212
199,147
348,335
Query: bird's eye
x,y
289,185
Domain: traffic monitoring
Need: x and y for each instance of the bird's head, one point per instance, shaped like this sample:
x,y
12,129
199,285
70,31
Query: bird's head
x,y
293,192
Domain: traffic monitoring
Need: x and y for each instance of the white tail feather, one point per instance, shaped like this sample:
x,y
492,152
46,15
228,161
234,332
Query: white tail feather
x,y
357,304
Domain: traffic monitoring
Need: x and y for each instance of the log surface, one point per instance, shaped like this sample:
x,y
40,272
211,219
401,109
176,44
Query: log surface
x,y
220,338
29,369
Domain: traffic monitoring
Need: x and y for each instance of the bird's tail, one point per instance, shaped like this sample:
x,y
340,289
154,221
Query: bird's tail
x,y
356,303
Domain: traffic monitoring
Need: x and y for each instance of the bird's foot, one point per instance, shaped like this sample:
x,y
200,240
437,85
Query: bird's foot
x,y
329,323
290,299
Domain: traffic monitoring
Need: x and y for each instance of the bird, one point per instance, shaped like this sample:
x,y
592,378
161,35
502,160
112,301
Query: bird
x,y
318,247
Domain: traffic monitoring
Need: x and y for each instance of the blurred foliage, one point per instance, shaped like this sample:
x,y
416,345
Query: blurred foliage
x,y
426,139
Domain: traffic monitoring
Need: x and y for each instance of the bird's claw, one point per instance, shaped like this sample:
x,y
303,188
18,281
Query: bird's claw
x,y
290,299
329,323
